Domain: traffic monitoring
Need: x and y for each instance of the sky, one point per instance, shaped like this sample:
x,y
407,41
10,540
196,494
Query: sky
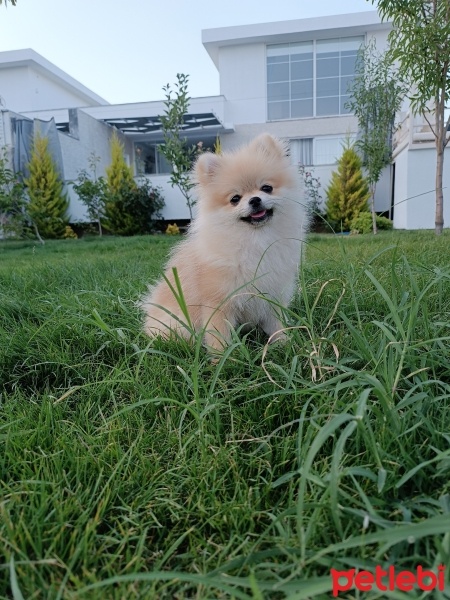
x,y
127,50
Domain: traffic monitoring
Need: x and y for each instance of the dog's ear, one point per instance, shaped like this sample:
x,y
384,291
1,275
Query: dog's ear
x,y
206,167
267,144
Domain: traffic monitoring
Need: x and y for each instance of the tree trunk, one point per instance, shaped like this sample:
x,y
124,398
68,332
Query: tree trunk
x,y
372,206
439,216
38,235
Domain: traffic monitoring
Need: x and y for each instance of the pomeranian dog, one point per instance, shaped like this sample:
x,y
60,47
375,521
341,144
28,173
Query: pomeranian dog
x,y
239,262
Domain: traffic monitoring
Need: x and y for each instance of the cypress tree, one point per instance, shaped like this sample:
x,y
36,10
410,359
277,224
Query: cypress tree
x,y
48,204
120,185
118,174
348,192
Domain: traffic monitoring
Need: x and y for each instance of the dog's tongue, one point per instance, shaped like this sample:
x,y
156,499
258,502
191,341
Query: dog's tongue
x,y
258,214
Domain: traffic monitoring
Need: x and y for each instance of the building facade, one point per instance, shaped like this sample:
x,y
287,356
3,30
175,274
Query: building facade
x,y
288,78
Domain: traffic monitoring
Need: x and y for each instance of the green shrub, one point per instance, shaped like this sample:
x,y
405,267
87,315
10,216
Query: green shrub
x,y
348,192
133,209
362,223
129,208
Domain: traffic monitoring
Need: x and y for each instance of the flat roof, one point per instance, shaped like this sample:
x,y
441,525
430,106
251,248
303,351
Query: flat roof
x,y
30,58
292,31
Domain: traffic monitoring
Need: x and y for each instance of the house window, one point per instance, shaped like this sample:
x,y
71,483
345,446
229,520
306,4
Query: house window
x,y
149,160
302,151
318,151
310,79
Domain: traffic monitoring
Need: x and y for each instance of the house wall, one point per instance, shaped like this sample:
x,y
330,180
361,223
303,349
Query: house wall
x,y
87,136
243,82
25,89
242,69
415,188
401,190
175,204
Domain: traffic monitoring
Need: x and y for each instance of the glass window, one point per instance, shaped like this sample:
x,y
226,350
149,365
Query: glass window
x,y
278,72
327,150
277,92
302,70
327,67
301,108
332,62
279,110
302,89
302,151
327,106
149,161
327,87
318,151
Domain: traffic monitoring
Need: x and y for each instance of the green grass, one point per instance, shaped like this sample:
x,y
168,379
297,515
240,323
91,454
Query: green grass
x,y
131,469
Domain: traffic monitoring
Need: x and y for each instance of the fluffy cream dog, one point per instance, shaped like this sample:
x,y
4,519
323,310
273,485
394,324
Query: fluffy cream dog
x,y
239,262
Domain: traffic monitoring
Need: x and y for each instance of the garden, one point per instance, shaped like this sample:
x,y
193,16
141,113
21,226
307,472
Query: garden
x,y
133,468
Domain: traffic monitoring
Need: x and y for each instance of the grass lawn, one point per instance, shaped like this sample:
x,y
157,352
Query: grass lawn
x,y
136,469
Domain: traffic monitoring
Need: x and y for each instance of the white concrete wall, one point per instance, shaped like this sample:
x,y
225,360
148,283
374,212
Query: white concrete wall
x,y
242,72
242,69
175,204
415,189
401,190
26,89
91,136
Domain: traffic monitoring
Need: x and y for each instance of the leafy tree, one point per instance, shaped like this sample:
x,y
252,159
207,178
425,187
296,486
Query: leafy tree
x,y
420,42
13,2
348,192
176,149
376,95
48,203
92,191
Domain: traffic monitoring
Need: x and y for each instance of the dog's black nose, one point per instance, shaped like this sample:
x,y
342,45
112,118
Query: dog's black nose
x,y
254,202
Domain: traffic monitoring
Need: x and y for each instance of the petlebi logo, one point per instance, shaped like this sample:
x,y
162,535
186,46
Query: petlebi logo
x,y
388,579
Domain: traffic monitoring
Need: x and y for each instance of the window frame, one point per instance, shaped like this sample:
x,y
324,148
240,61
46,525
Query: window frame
x,y
313,140
315,43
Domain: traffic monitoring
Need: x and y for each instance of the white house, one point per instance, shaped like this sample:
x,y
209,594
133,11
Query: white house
x,y
289,78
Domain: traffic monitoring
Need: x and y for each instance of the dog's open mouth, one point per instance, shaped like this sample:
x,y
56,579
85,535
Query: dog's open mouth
x,y
258,217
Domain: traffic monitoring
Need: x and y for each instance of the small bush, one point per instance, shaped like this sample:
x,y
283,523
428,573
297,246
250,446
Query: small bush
x,y
362,223
133,209
70,233
172,229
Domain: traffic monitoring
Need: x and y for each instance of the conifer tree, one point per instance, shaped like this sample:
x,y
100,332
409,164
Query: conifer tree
x,y
118,174
120,184
48,203
348,192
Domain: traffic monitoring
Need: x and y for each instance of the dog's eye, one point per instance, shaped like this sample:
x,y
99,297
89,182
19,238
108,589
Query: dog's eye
x,y
268,189
235,199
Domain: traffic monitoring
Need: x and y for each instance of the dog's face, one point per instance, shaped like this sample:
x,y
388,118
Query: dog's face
x,y
247,186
